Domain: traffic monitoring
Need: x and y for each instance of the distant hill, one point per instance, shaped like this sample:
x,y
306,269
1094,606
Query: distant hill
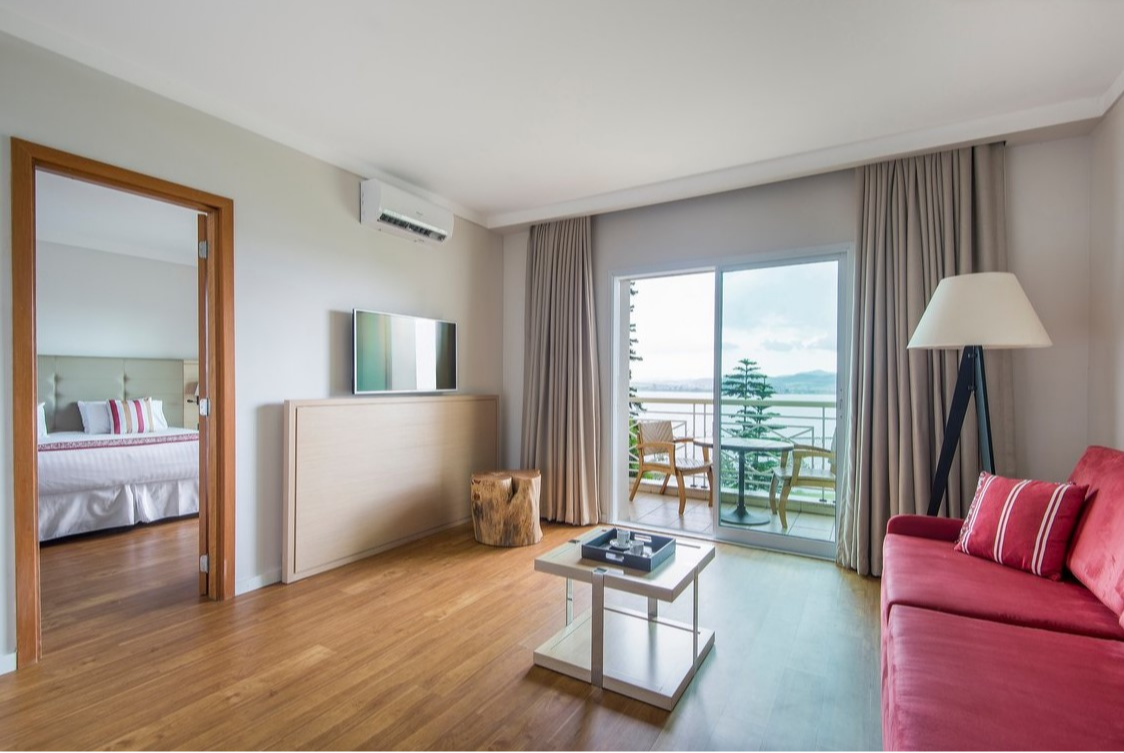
x,y
684,385
804,383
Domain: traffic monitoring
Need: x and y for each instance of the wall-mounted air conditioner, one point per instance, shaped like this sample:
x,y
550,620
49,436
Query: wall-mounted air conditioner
x,y
392,210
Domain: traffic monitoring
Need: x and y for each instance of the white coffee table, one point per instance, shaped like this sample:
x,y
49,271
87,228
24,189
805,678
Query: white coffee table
x,y
642,656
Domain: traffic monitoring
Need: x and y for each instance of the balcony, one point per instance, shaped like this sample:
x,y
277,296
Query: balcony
x,y
811,512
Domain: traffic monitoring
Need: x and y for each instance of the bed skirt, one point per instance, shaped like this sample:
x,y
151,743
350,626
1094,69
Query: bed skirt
x,y
81,512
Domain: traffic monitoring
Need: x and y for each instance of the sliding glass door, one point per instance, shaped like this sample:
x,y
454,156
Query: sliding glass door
x,y
738,367
777,394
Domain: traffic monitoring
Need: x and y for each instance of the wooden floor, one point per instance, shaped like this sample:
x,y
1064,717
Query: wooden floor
x,y
91,585
428,646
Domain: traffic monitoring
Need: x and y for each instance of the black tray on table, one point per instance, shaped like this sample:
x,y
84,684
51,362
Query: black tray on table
x,y
599,548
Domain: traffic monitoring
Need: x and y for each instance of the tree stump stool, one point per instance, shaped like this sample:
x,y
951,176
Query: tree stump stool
x,y
505,508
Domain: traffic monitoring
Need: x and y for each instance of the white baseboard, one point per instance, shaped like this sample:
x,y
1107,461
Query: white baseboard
x,y
7,663
260,581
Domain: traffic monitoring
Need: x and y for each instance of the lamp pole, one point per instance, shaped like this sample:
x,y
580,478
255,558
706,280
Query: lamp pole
x,y
970,379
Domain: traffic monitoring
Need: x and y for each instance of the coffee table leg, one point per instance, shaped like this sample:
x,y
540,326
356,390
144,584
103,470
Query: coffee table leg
x,y
695,621
569,600
597,631
653,608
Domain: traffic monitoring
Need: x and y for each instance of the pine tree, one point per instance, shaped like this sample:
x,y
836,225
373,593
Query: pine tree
x,y
634,408
747,382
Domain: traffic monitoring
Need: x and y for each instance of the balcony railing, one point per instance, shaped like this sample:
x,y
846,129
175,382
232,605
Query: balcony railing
x,y
797,420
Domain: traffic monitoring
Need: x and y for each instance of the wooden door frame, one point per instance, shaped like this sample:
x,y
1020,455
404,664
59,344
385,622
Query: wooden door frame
x,y
27,158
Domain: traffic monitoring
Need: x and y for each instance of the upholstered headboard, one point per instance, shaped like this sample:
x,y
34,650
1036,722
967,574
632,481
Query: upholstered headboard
x,y
64,380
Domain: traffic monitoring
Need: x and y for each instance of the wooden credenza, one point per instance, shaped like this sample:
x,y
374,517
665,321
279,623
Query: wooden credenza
x,y
363,475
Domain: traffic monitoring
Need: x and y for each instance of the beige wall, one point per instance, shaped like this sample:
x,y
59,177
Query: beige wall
x,y
1048,241
95,303
302,262
1106,293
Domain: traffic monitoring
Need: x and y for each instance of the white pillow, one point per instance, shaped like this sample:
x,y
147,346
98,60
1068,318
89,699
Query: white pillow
x,y
42,421
158,414
95,416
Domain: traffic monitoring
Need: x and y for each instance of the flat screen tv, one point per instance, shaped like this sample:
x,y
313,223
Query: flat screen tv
x,y
398,353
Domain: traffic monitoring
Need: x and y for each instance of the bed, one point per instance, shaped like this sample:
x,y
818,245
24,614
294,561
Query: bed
x,y
91,482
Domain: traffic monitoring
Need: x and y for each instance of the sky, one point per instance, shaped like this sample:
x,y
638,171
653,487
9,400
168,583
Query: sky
x,y
783,317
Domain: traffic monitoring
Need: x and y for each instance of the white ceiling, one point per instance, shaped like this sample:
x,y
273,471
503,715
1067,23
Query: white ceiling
x,y
511,111
75,213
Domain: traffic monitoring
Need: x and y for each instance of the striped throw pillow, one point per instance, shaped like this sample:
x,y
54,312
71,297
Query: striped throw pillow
x,y
131,416
1022,524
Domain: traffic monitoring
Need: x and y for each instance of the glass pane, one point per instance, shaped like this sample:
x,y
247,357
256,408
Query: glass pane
x,y
777,404
670,394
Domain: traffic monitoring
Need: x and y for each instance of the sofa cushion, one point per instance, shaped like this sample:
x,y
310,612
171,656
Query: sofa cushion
x,y
956,683
1023,524
929,573
1096,556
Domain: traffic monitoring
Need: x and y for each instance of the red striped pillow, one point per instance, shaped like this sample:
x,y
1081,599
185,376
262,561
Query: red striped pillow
x,y
1022,524
131,416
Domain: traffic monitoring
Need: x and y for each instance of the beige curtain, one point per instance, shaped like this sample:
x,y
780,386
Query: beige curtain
x,y
561,417
920,219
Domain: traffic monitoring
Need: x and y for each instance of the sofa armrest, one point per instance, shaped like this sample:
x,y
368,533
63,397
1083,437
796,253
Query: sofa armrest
x,y
925,527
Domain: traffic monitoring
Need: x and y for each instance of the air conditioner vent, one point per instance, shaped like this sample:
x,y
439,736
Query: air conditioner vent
x,y
413,227
392,210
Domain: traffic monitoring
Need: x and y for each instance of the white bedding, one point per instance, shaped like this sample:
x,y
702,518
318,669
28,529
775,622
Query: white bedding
x,y
89,482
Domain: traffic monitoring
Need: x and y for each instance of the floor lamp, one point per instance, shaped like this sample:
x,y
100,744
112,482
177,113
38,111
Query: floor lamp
x,y
974,312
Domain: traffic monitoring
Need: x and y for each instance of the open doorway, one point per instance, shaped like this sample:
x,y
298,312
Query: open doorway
x,y
117,355
214,246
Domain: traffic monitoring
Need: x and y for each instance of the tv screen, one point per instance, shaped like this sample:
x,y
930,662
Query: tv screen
x,y
397,353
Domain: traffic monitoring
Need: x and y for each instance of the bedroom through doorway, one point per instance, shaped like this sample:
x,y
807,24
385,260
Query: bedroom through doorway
x,y
117,356
123,367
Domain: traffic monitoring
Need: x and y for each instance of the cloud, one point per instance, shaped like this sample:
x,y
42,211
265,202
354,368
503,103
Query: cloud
x,y
792,341
823,342
781,346
795,295
783,317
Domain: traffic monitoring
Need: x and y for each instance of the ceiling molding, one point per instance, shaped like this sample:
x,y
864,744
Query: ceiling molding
x,y
1112,94
185,94
815,162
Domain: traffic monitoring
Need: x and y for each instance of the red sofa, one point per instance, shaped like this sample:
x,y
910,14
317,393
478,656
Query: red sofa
x,y
978,656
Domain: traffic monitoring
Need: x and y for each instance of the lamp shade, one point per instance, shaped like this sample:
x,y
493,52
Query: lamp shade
x,y
988,309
